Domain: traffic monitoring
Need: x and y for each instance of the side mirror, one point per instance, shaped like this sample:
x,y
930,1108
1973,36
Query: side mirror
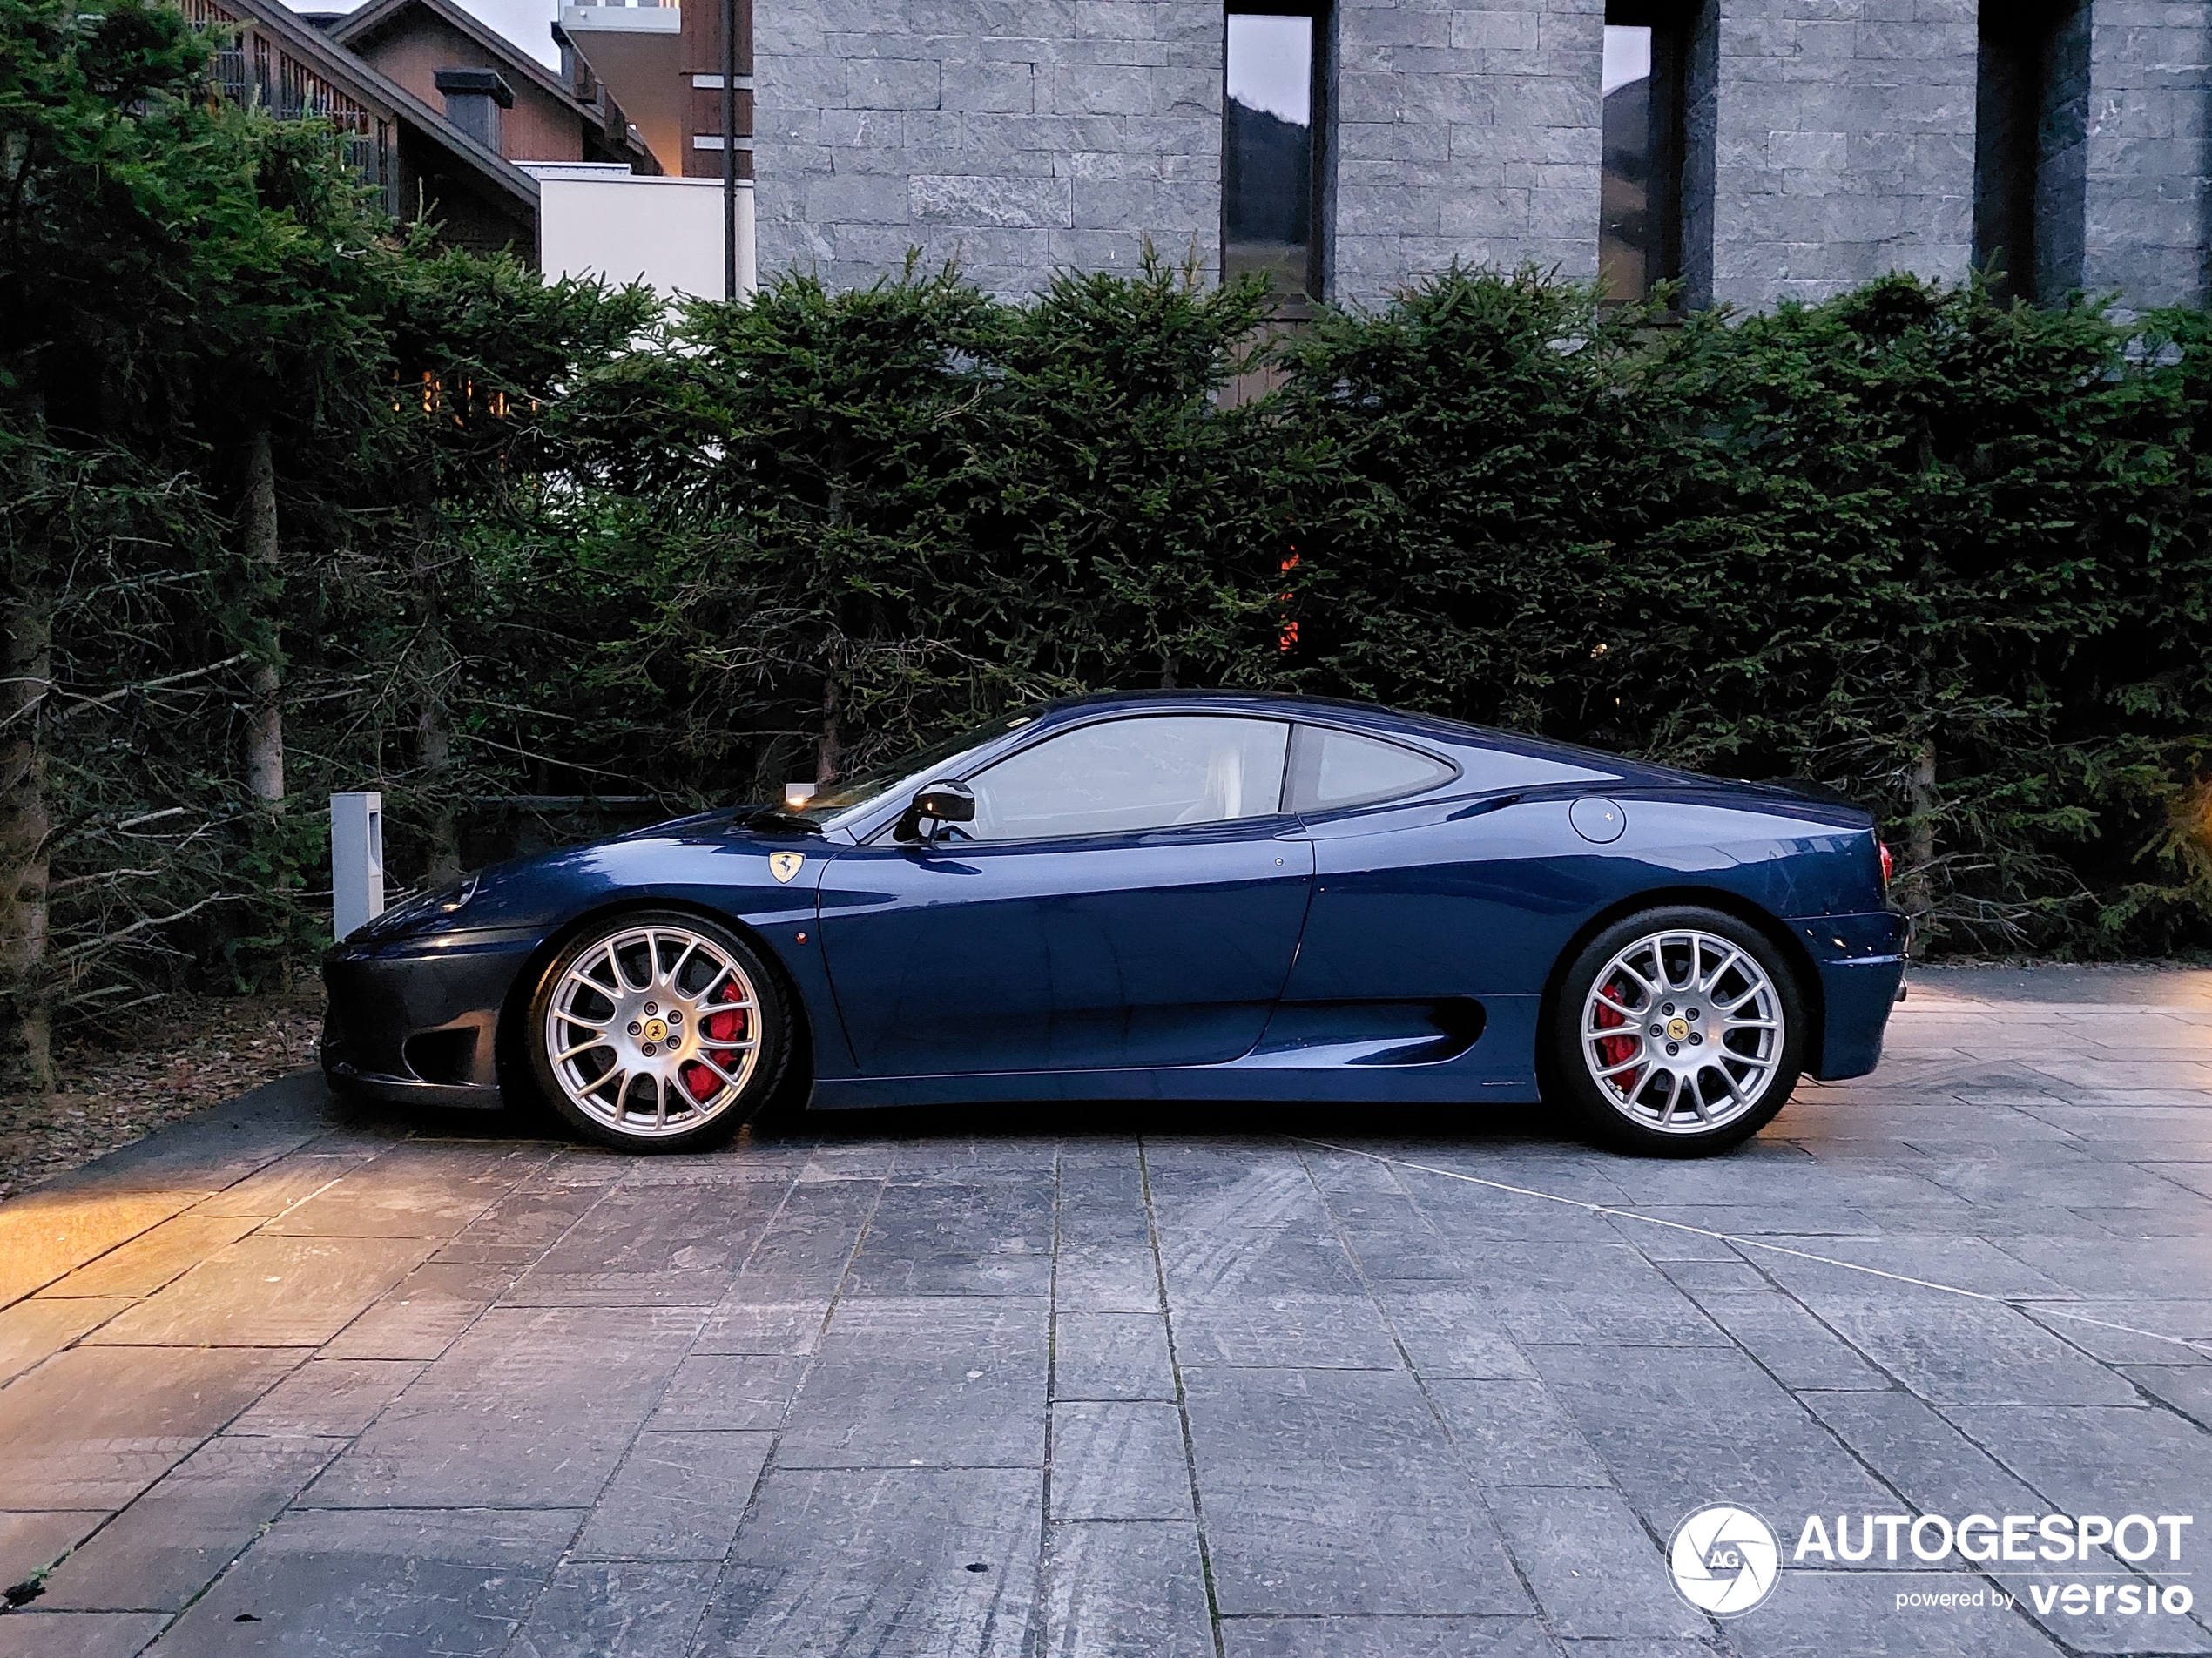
x,y
941,802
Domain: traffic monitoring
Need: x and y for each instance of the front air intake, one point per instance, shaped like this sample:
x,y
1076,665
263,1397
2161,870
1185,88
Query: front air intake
x,y
446,1056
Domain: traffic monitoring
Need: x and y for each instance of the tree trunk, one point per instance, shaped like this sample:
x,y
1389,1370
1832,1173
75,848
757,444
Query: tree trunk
x,y
829,747
829,752
26,658
1920,829
433,673
265,728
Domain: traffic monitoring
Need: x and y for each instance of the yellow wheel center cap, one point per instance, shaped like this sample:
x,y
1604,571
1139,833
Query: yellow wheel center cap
x,y
1677,1029
656,1030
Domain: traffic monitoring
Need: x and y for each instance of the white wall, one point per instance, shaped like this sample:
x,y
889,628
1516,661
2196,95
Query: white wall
x,y
599,220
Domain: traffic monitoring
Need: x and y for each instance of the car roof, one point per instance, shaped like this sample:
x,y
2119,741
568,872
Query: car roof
x,y
1279,704
1407,723
1341,712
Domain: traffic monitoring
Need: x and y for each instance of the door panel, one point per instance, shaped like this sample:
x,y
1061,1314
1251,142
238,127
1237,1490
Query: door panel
x,y
1457,898
1165,948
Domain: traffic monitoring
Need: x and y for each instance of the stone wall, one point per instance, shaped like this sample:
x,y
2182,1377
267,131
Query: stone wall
x,y
2143,188
1841,137
2062,158
1829,141
1464,134
1015,136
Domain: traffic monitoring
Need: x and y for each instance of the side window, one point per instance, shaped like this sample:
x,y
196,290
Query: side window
x,y
1122,775
1332,769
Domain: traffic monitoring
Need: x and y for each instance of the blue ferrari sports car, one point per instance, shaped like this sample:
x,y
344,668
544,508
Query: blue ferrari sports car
x,y
1160,896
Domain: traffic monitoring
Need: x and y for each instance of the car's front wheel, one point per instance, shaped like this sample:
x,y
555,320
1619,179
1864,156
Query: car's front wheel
x,y
657,1031
1677,1033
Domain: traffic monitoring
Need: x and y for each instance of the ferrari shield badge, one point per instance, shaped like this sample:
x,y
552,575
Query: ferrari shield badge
x,y
785,864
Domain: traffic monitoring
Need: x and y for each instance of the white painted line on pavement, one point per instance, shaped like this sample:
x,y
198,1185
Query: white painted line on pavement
x,y
2039,1302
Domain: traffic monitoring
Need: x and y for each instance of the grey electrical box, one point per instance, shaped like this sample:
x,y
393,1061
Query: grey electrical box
x,y
356,861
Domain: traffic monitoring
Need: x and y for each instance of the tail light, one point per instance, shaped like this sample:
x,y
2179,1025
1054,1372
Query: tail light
x,y
1889,863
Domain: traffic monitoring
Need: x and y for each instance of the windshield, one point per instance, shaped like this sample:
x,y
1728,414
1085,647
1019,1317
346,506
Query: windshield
x,y
831,807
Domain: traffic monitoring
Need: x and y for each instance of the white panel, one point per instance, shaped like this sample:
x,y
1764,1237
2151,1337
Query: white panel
x,y
598,221
356,861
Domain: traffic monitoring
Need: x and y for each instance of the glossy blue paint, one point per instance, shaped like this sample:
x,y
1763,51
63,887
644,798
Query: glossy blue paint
x,y
1861,960
1162,948
397,976
1398,951
1437,898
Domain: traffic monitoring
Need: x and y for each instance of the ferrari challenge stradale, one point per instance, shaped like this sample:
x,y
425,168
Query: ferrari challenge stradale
x,y
1163,896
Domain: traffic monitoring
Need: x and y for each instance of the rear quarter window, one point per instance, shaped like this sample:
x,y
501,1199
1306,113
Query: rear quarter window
x,y
1332,769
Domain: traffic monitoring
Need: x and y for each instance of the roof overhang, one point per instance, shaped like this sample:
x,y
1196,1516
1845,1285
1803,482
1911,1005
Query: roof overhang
x,y
637,52
311,46
379,15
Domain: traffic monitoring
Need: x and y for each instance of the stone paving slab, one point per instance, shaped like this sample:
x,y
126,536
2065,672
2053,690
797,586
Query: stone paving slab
x,y
162,1550
396,1583
1129,1382
1119,1589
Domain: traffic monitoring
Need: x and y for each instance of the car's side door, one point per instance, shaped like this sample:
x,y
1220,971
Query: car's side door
x,y
1419,894
1130,894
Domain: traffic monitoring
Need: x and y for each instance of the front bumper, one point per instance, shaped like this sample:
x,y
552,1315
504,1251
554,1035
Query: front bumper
x,y
417,1020
1861,961
350,1083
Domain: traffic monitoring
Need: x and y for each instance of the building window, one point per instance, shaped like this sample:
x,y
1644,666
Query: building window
x,y
1644,76
229,42
385,176
1271,163
2031,134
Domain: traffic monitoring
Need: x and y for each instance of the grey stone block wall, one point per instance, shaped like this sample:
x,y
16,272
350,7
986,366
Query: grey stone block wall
x,y
1015,136
1829,141
2063,160
2143,185
1836,140
1466,131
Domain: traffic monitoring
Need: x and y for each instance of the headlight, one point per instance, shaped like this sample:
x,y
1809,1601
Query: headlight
x,y
435,905
453,901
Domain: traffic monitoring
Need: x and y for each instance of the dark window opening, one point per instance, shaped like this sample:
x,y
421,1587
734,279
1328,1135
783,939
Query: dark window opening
x,y
2031,130
1270,161
1640,202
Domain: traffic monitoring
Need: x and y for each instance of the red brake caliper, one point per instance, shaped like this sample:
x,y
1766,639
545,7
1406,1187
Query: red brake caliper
x,y
726,1026
1613,1050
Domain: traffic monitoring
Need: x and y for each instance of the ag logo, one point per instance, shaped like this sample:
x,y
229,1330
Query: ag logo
x,y
784,865
1725,1561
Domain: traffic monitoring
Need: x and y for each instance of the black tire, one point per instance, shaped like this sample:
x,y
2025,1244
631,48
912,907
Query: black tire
x,y
614,1114
1642,1111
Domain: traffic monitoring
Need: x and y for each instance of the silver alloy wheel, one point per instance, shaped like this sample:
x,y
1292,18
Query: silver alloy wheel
x,y
1683,1031
653,1031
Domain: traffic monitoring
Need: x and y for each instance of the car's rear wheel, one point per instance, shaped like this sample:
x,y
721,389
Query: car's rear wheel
x,y
657,1031
1677,1033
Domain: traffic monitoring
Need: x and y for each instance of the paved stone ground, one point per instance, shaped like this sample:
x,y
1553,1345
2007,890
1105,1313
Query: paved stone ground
x,y
282,1380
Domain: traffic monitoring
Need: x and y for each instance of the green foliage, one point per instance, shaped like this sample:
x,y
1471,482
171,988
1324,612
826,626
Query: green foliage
x,y
185,286
1480,462
1944,554
853,520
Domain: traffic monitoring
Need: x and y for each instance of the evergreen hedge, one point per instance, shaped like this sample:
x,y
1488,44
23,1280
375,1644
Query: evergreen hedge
x,y
1946,555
